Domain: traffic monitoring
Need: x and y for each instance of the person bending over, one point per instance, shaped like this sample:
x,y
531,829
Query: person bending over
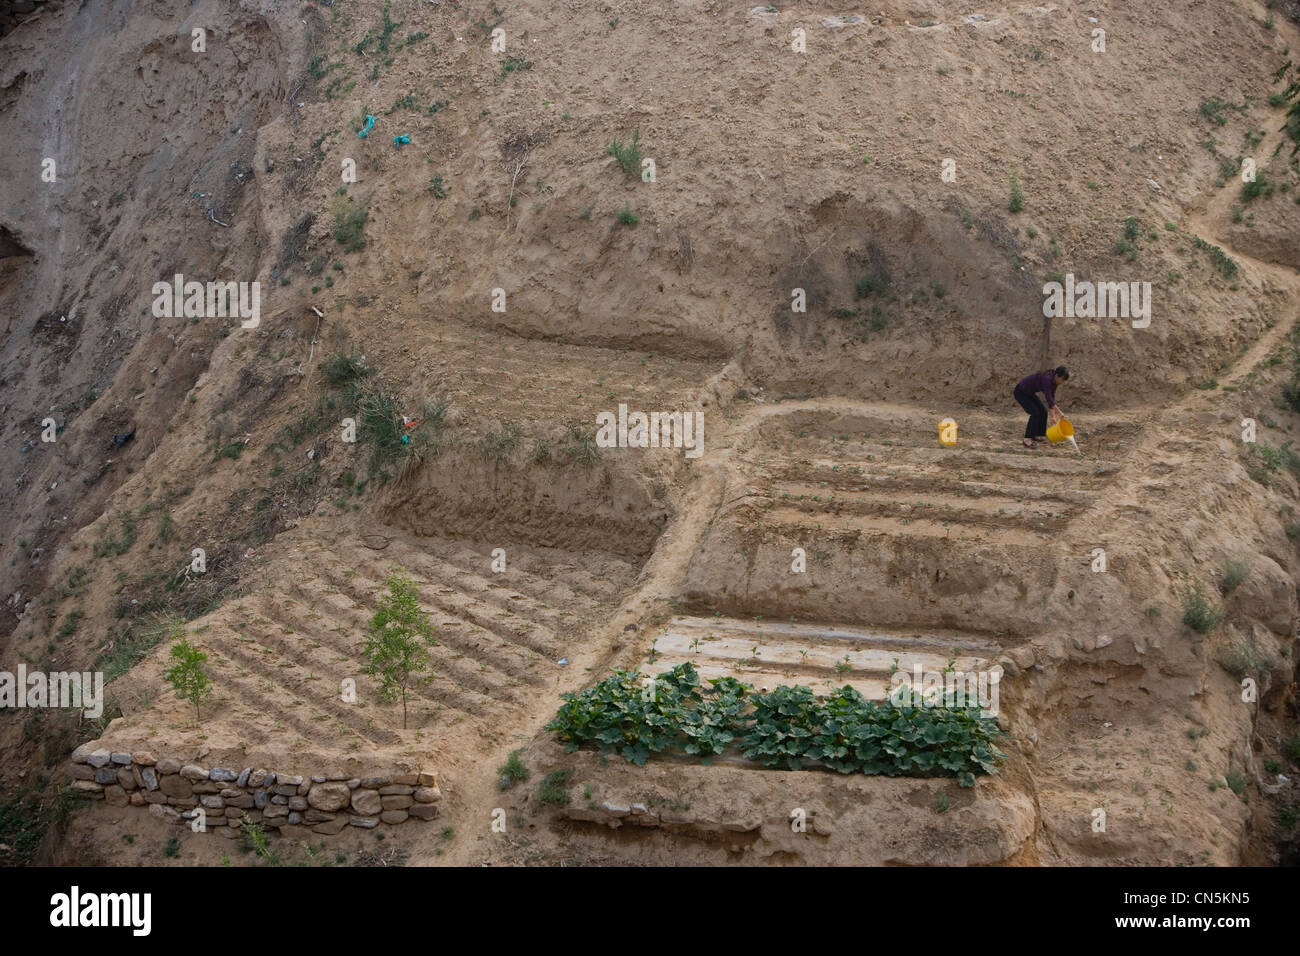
x,y
1040,415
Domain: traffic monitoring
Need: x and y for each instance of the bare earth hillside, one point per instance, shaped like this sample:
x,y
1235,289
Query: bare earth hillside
x,y
824,228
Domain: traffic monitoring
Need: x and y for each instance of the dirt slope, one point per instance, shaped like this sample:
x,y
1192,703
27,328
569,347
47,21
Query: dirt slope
x,y
774,171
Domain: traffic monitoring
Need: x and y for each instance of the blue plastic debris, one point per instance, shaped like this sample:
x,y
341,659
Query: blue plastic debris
x,y
564,662
370,124
399,140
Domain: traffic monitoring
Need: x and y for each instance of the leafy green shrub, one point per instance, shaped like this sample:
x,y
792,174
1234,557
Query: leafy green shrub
x,y
172,848
621,714
786,728
785,721
627,155
1199,612
713,723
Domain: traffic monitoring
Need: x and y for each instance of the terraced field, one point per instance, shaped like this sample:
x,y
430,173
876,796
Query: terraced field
x,y
767,654
896,529
281,654
529,380
891,475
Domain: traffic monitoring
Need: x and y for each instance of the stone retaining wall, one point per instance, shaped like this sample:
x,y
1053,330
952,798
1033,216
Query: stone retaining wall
x,y
324,803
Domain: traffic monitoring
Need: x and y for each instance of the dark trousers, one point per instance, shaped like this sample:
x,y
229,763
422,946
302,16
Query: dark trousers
x,y
1037,426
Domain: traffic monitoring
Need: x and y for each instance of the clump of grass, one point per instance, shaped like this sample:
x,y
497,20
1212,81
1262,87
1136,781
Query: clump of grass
x,y
1236,781
379,414
1260,186
1239,660
579,447
1263,461
344,368
1200,613
865,285
118,545
252,839
349,221
627,216
553,790
513,771
627,155
1017,202
1292,747
500,444
514,64
1234,572
380,38
1215,110
1222,262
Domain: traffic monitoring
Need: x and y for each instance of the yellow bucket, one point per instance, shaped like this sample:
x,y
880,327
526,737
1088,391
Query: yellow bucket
x,y
1059,432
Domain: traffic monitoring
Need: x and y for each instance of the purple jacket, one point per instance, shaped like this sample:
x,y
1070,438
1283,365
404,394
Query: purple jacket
x,y
1044,382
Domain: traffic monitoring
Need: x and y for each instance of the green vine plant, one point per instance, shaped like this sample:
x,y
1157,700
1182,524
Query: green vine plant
x,y
789,728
